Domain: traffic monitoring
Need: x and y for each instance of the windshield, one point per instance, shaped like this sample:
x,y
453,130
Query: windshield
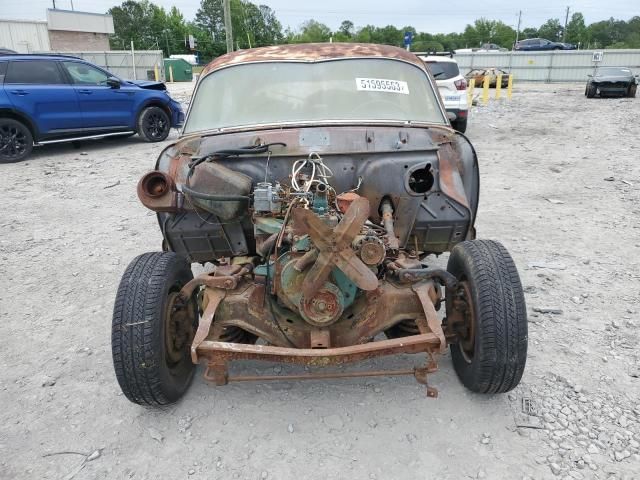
x,y
443,70
613,71
270,93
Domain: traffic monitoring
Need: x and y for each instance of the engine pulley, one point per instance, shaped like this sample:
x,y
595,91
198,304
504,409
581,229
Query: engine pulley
x,y
324,307
370,249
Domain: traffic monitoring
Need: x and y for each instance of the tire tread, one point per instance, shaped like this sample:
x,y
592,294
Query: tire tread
x,y
500,308
135,330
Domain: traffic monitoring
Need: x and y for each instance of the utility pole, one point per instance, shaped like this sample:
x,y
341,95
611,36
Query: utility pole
x,y
519,23
227,25
54,4
72,9
566,21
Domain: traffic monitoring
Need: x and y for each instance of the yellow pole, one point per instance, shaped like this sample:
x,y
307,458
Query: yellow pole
x,y
156,73
171,73
472,85
485,89
498,86
510,86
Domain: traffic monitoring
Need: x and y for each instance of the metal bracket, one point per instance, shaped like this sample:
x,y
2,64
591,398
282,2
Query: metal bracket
x,y
421,376
214,297
422,290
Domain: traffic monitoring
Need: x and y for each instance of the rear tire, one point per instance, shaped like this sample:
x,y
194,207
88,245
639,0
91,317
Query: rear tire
x,y
151,333
460,125
591,90
154,124
491,353
16,141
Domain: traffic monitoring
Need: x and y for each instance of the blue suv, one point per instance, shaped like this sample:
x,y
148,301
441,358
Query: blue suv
x,y
54,98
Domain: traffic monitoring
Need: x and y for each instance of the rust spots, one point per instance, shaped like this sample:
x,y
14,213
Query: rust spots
x,y
312,52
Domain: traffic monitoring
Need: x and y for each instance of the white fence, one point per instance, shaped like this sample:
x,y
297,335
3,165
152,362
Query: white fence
x,y
120,62
555,66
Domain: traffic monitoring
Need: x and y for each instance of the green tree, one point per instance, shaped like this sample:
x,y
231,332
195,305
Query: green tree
x,y
551,30
252,25
132,22
149,26
529,32
489,31
504,35
347,28
632,37
311,31
576,29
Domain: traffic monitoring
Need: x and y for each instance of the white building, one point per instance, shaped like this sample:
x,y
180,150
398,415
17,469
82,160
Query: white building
x,y
64,30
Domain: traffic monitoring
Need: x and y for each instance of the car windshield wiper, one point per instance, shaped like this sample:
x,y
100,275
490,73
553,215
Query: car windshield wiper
x,y
436,75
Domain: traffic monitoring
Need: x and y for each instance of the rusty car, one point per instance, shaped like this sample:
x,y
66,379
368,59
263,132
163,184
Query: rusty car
x,y
316,185
479,76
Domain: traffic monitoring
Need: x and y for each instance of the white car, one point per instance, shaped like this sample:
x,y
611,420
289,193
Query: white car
x,y
452,86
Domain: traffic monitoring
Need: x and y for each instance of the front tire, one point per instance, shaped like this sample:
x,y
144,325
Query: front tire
x,y
487,311
154,124
152,330
632,91
16,141
591,90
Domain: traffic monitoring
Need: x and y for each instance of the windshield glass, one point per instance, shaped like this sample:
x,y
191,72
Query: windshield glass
x,y
357,90
613,71
443,70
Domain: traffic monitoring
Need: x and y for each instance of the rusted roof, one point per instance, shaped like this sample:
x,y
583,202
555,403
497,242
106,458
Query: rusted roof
x,y
311,52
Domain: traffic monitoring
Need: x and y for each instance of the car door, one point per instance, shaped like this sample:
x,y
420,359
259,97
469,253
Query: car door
x,y
38,88
546,45
103,107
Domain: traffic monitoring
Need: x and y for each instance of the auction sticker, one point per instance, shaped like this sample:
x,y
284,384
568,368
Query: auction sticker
x,y
382,85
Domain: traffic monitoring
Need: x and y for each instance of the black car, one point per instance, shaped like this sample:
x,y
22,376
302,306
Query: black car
x,y
540,44
612,82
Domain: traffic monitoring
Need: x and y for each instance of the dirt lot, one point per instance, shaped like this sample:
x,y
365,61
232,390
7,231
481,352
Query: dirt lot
x,y
560,187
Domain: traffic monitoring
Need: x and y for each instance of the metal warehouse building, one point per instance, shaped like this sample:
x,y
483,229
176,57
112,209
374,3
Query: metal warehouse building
x,y
64,30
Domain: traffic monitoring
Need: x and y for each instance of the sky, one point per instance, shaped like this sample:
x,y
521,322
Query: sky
x,y
425,15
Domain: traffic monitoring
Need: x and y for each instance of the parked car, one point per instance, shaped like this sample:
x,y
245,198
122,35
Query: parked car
x,y
53,98
5,51
320,198
452,86
492,73
540,44
612,82
485,47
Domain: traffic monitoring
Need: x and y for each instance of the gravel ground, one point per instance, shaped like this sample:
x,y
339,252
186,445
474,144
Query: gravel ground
x,y
560,183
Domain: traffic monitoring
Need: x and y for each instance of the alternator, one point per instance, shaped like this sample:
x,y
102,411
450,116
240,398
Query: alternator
x,y
370,249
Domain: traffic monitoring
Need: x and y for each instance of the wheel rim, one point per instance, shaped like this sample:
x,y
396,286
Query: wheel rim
x,y
179,328
463,320
155,125
13,141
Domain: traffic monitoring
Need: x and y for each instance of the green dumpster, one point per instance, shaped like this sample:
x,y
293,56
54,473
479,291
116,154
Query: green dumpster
x,y
180,68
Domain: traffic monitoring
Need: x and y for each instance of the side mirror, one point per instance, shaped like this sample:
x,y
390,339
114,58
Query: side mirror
x,y
113,82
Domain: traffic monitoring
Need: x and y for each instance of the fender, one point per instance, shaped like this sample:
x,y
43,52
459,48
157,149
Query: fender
x,y
22,117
